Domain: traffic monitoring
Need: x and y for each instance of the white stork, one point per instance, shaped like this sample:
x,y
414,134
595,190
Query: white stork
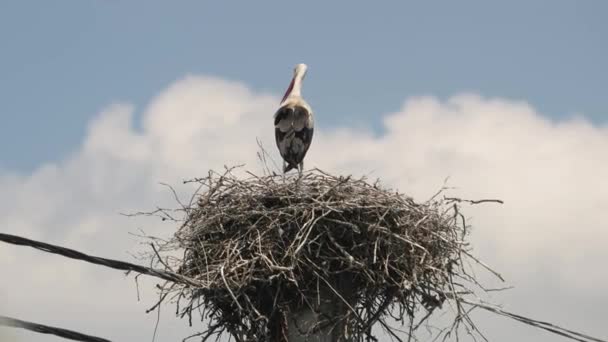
x,y
293,123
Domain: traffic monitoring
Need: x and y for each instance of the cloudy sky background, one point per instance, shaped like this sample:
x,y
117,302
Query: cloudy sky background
x,y
102,100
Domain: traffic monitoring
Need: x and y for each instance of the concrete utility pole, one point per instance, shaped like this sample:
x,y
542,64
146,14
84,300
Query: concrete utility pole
x,y
300,323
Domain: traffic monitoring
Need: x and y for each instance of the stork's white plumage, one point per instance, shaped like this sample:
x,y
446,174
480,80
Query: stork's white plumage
x,y
293,123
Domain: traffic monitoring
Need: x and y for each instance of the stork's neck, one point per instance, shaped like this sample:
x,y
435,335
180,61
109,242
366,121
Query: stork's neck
x,y
295,87
296,91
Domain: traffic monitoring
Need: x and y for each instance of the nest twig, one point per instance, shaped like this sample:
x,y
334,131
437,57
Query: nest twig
x,y
265,248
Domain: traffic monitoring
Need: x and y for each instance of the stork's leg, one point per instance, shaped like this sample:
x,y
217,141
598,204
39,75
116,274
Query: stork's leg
x,y
301,168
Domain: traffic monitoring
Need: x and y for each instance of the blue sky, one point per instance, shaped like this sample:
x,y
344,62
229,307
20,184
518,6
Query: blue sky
x,y
63,61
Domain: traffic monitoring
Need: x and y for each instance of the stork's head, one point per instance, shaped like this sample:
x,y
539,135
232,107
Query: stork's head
x,y
296,82
300,70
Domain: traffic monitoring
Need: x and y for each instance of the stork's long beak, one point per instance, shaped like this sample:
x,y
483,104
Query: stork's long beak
x,y
289,89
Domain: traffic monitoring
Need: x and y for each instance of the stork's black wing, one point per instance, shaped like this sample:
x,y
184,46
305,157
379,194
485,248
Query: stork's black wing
x,y
293,133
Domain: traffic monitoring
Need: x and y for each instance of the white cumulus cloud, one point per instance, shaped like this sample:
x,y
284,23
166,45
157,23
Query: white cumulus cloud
x,y
547,239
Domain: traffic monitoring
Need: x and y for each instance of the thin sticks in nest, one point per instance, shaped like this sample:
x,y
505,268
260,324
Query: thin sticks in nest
x,y
267,250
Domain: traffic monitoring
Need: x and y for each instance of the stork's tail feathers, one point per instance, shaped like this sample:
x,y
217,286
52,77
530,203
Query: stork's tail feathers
x,y
287,167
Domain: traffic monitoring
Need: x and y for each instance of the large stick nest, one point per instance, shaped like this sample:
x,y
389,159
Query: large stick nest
x,y
264,249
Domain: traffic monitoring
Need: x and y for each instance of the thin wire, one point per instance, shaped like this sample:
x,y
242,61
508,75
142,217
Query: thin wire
x,y
115,264
536,323
45,329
